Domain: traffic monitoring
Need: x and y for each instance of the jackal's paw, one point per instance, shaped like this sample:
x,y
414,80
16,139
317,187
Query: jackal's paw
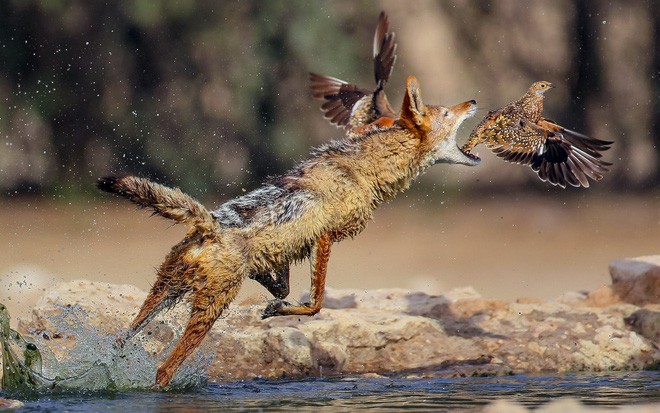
x,y
273,308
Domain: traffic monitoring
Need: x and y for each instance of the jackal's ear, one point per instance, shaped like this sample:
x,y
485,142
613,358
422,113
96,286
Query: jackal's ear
x,y
413,109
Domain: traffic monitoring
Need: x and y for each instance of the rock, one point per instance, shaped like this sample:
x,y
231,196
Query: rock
x,y
505,406
394,300
10,403
458,333
602,297
22,286
566,404
109,306
637,280
646,322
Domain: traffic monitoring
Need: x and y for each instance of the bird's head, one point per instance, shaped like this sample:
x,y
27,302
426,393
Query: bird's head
x,y
539,88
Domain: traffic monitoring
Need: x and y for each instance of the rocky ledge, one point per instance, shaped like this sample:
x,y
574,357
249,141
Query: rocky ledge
x,y
376,332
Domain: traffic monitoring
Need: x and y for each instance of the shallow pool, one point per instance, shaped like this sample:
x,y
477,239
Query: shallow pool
x,y
354,393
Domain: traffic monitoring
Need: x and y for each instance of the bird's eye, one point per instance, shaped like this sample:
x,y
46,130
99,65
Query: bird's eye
x,y
543,85
446,113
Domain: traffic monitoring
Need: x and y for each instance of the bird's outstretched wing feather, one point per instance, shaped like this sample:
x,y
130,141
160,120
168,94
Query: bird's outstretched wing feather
x,y
592,146
339,96
384,51
553,157
518,142
341,105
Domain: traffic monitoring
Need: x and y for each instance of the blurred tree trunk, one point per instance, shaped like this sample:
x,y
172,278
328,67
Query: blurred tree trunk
x,y
585,87
655,87
590,97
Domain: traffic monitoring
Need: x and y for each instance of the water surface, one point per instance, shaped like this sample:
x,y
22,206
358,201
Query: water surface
x,y
356,393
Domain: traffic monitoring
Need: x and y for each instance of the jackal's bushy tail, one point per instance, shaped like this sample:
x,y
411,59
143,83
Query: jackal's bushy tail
x,y
167,202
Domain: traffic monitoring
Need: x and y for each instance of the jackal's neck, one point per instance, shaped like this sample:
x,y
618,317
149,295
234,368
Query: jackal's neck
x,y
394,161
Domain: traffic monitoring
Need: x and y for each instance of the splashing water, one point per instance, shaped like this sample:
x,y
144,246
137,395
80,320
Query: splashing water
x,y
78,357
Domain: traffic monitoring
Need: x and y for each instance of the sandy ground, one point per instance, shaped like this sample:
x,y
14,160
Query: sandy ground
x,y
506,246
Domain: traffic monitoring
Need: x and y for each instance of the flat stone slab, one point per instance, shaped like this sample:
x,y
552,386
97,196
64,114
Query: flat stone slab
x,y
458,333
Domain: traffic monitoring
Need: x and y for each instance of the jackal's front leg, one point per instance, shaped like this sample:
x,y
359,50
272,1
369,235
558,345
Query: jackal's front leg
x,y
278,286
319,267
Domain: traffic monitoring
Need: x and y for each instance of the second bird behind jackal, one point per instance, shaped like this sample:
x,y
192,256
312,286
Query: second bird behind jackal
x,y
350,106
299,215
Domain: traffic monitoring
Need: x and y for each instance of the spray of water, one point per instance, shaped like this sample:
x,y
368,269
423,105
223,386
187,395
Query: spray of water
x,y
77,357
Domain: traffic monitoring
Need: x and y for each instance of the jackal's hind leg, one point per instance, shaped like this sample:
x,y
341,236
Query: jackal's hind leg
x,y
163,294
156,300
207,305
279,285
319,267
199,324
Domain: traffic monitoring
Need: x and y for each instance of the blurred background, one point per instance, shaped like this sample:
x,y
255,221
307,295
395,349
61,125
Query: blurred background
x,y
213,97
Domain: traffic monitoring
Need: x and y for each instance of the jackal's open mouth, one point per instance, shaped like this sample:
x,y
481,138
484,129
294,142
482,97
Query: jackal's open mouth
x,y
472,111
465,150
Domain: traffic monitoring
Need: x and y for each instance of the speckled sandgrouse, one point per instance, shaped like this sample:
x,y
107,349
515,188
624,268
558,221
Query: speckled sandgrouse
x,y
519,134
351,106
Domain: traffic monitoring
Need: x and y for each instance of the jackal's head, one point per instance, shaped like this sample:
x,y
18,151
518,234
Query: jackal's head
x,y
436,126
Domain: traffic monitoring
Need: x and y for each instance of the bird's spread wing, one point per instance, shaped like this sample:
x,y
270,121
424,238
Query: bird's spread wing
x,y
567,160
592,146
550,154
517,141
485,131
384,51
339,96
341,106
560,165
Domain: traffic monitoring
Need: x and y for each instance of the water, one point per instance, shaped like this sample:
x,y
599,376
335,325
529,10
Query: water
x,y
392,394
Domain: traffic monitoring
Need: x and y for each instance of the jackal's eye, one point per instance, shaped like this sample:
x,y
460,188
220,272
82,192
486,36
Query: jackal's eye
x,y
446,113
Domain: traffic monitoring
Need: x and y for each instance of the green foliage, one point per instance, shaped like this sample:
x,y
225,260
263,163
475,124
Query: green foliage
x,y
162,87
213,96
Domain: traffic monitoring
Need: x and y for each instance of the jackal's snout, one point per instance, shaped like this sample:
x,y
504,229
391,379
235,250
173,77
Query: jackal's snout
x,y
465,109
447,150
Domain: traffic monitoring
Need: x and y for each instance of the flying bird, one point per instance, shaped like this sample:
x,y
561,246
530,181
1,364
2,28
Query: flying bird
x,y
519,134
350,106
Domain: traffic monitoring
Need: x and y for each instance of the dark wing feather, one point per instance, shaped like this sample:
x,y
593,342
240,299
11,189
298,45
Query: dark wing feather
x,y
551,164
592,146
339,96
553,157
564,162
384,51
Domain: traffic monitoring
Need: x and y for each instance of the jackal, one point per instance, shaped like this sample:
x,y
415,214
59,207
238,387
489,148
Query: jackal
x,y
323,200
